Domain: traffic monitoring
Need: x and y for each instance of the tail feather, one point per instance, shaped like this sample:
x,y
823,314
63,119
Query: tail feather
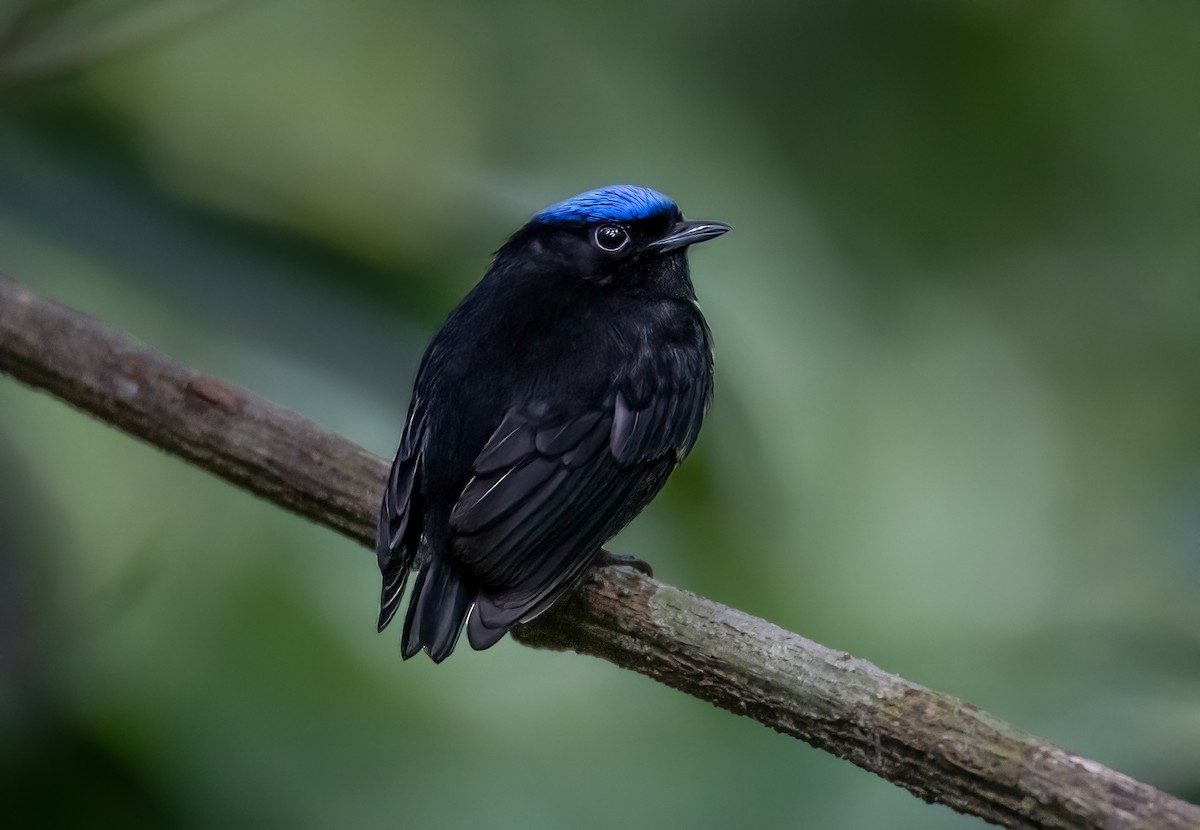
x,y
480,636
495,615
395,574
410,641
439,606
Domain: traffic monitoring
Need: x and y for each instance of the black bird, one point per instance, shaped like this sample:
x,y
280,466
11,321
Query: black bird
x,y
547,412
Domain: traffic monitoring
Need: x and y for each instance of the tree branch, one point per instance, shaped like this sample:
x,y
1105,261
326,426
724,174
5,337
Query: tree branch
x,y
937,747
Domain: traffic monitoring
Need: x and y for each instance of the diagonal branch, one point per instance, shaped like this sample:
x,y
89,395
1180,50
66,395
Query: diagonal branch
x,y
939,748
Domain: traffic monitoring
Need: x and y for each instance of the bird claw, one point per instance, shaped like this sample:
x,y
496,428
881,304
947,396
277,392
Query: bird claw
x,y
608,559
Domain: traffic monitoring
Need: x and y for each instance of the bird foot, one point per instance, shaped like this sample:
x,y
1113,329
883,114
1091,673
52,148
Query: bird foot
x,y
608,559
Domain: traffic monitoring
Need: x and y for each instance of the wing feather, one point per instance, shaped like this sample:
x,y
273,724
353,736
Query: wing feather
x,y
399,532
551,486
522,489
512,441
667,419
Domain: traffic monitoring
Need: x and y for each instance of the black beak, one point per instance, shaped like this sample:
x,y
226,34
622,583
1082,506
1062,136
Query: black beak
x,y
687,233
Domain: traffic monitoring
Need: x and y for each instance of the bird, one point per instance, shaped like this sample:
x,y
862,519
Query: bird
x,y
547,411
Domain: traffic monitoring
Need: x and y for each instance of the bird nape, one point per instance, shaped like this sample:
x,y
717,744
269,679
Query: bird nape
x,y
547,412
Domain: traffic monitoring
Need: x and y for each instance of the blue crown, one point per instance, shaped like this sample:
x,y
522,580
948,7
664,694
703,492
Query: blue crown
x,y
615,203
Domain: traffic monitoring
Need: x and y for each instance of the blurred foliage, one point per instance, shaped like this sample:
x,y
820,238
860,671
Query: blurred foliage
x,y
955,432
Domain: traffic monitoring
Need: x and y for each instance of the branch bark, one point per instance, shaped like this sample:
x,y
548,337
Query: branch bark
x,y
937,747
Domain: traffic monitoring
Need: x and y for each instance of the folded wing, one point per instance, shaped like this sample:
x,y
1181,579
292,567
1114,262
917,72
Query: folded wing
x,y
550,488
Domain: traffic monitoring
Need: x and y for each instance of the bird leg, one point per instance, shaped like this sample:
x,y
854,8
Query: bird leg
x,y
607,558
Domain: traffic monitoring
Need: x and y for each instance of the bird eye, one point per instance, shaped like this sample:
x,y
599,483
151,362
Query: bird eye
x,y
611,238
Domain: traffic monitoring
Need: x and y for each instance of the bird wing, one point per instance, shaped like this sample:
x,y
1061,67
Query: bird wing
x,y
661,404
549,489
399,530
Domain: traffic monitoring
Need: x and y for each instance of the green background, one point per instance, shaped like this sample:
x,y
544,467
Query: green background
x,y
955,430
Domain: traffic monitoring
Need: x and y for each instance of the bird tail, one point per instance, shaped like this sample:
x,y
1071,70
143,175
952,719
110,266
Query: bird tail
x,y
439,606
395,573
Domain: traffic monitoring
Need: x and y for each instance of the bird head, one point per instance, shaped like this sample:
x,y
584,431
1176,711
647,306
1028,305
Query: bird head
x,y
620,235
